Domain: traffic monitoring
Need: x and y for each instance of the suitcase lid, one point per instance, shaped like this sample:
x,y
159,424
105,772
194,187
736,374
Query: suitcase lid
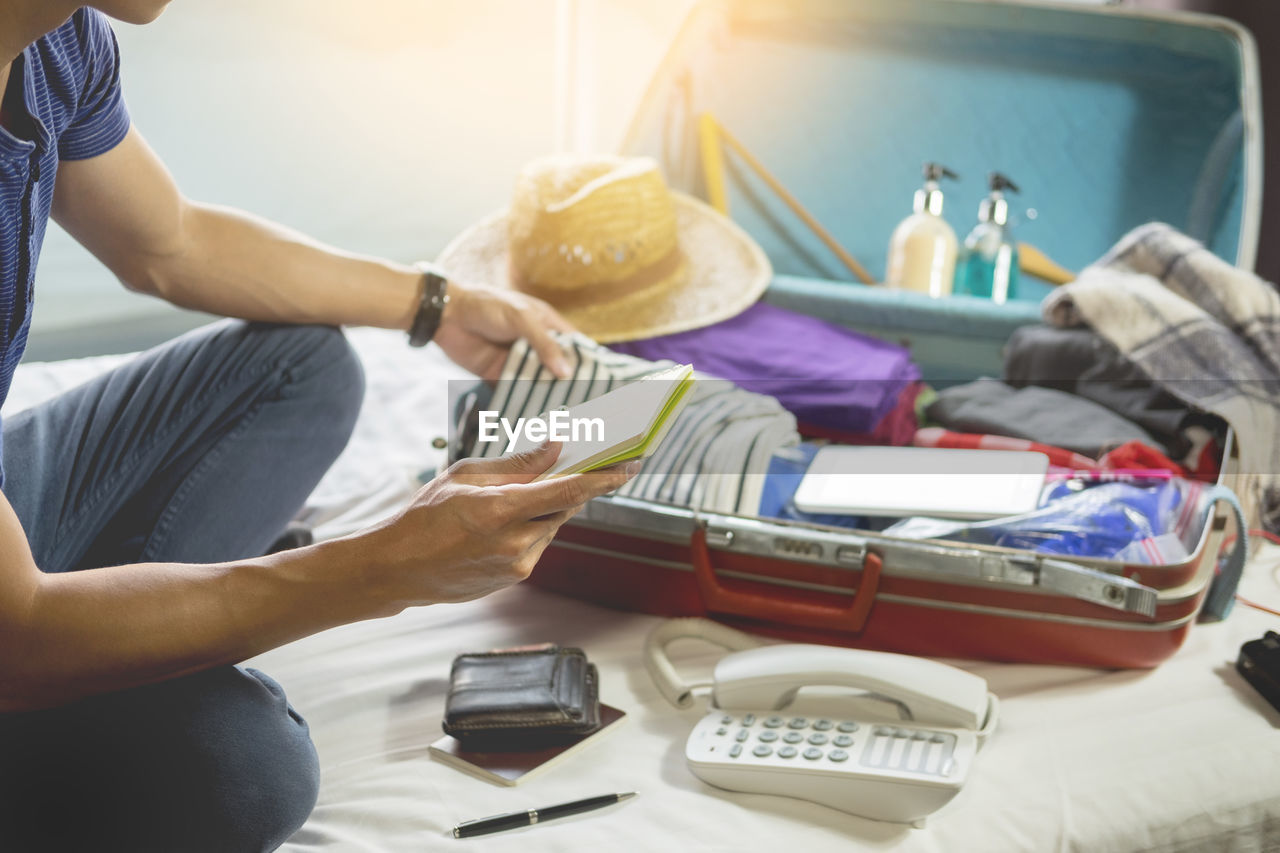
x,y
1106,118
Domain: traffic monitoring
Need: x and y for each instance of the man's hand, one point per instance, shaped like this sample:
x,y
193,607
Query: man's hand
x,y
478,527
480,323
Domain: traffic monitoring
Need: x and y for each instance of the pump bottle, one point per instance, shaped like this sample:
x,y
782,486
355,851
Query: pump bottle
x,y
989,263
922,250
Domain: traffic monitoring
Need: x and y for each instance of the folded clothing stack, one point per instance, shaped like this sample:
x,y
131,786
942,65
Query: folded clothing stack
x,y
522,699
724,431
839,384
1080,362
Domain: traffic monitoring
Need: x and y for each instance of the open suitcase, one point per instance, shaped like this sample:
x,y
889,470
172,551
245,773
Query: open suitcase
x,y
1107,118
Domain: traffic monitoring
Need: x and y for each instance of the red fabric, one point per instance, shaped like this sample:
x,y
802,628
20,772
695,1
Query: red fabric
x,y
939,437
1139,456
1133,455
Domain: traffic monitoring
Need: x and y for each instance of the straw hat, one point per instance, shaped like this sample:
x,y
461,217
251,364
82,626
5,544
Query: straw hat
x,y
607,243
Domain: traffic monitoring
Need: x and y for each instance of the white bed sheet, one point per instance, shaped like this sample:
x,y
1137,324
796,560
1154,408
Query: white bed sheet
x,y
1184,757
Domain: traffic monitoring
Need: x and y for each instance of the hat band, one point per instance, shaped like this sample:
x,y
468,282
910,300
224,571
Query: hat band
x,y
658,272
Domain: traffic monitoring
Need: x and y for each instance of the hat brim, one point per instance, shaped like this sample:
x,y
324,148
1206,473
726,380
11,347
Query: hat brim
x,y
725,273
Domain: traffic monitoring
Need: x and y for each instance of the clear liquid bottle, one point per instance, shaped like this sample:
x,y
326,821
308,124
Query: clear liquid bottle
x,y
989,263
922,250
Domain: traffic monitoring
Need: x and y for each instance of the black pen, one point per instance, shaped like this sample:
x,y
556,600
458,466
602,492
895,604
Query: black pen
x,y
515,820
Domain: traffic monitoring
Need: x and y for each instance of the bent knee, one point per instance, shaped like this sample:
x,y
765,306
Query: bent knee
x,y
322,359
216,761
264,776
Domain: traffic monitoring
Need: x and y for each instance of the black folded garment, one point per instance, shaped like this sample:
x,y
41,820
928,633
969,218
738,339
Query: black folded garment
x,y
522,699
1036,414
1080,362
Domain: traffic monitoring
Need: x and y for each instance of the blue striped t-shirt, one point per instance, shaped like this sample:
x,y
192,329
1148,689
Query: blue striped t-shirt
x,y
68,85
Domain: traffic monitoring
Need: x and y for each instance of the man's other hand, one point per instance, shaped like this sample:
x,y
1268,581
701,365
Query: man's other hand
x,y
480,324
479,527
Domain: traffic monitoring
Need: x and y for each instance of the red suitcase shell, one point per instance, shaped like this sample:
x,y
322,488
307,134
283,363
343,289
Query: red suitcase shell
x,y
821,585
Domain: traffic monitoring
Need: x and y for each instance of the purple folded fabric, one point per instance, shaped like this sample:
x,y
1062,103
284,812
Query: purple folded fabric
x,y
826,375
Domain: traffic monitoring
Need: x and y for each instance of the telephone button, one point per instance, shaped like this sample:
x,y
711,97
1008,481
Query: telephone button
x,y
735,750
822,725
817,739
726,720
768,736
847,727
787,752
838,755
762,751
749,719
742,735
773,722
793,737
813,753
843,740
884,731
938,739
797,723
722,731
901,733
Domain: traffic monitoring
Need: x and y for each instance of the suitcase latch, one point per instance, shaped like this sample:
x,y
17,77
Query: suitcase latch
x,y
1115,591
749,536
718,537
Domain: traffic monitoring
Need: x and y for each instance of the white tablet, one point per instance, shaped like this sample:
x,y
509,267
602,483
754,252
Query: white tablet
x,y
941,482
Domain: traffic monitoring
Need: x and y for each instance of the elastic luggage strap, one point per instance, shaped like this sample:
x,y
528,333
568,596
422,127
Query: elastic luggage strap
x,y
1222,592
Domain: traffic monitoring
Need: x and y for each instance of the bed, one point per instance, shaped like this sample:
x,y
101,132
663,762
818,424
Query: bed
x,y
1184,757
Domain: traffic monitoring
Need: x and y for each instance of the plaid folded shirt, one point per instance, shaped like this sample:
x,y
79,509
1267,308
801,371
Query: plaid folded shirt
x,y
1203,329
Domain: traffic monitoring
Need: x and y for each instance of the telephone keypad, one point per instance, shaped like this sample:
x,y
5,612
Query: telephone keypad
x,y
885,746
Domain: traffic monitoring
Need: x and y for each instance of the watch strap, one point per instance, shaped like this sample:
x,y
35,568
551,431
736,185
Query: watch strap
x,y
435,296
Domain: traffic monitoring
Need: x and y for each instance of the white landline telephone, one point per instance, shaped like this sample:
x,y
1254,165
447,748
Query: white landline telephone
x,y
901,771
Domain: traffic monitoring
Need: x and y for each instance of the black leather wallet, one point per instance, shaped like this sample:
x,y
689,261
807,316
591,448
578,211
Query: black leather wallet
x,y
534,697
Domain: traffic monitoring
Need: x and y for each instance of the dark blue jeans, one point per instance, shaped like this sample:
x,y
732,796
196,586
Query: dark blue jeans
x,y
200,450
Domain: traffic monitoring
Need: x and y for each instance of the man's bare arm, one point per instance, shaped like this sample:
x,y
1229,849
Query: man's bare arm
x,y
475,529
125,208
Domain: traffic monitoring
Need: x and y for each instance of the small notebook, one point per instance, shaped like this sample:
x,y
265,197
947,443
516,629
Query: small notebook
x,y
512,768
625,424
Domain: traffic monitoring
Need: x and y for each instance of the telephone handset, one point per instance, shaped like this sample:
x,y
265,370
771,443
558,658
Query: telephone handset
x,y
901,771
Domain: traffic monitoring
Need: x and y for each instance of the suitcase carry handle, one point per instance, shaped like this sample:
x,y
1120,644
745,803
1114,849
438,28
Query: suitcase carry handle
x,y
717,599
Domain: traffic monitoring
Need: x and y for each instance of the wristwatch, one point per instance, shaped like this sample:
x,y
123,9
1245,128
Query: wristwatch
x,y
435,295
